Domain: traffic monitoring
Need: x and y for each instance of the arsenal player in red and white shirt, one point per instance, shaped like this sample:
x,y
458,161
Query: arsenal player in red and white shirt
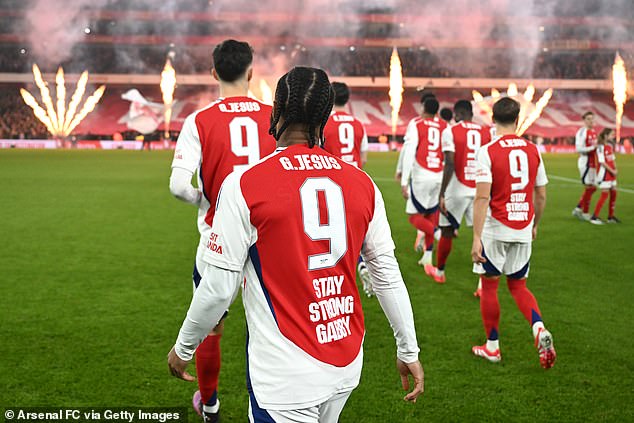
x,y
345,138
586,144
292,227
606,176
509,203
230,134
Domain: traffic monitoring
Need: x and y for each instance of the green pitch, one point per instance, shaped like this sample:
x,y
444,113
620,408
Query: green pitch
x,y
95,265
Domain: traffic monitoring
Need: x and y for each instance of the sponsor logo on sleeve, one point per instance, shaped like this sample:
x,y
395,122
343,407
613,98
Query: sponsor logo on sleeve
x,y
214,244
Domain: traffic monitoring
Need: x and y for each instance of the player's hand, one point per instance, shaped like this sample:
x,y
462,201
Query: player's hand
x,y
441,205
405,191
476,251
397,176
178,367
416,370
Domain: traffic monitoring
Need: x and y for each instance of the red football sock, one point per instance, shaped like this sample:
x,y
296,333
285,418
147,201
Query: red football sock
x,y
587,198
525,300
429,238
208,367
422,224
597,209
490,307
444,248
612,201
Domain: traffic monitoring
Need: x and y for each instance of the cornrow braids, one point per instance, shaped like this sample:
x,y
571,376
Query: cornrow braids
x,y
305,96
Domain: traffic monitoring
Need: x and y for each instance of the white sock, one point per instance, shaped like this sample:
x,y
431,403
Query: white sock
x,y
440,272
536,327
212,408
427,255
493,345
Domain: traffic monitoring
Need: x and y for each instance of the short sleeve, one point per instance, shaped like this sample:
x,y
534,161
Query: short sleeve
x,y
541,179
447,140
187,154
483,167
601,153
364,141
378,239
231,232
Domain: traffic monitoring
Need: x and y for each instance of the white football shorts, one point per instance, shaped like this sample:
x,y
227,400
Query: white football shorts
x,y
457,208
327,411
601,184
588,174
509,258
423,197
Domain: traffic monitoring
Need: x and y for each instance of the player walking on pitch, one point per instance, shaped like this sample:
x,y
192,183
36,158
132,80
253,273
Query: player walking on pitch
x,y
422,175
345,138
460,142
230,134
510,173
294,225
606,176
586,144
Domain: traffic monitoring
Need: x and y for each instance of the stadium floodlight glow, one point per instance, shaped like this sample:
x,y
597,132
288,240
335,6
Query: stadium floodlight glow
x,y
619,90
168,84
396,88
59,121
529,112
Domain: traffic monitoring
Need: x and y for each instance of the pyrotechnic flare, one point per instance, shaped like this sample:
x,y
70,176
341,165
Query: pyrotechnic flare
x,y
396,88
619,89
529,112
62,121
168,83
536,113
267,93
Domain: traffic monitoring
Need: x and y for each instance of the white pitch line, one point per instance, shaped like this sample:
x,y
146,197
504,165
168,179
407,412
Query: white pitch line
x,y
559,178
562,178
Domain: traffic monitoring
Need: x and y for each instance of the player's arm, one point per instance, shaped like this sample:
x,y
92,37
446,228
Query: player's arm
x,y
212,298
363,150
580,142
448,149
539,195
484,179
231,236
408,154
378,253
187,157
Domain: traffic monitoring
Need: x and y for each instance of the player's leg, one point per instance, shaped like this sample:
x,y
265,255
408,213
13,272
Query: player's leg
x,y
330,410
208,356
597,209
422,204
611,217
517,268
494,252
449,225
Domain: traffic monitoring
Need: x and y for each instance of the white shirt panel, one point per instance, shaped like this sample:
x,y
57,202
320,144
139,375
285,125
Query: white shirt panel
x,y
188,152
408,152
447,140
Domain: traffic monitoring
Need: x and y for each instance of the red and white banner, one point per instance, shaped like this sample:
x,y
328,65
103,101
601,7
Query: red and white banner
x,y
561,118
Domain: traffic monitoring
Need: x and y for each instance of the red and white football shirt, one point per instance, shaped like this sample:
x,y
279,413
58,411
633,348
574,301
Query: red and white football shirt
x,y
299,220
464,139
422,152
345,137
605,156
230,134
513,167
585,142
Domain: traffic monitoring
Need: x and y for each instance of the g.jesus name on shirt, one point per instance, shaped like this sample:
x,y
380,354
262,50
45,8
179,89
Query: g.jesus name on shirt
x,y
309,162
330,310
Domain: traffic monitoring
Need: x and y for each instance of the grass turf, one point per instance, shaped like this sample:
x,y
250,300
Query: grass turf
x,y
95,264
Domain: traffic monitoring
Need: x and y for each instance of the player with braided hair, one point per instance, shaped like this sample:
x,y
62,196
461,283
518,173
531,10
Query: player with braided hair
x,y
304,317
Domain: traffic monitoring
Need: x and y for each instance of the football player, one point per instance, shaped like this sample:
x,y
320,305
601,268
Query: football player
x,y
292,227
230,134
509,203
586,144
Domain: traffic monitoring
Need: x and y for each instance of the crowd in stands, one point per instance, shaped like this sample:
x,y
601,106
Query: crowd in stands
x,y
350,61
16,118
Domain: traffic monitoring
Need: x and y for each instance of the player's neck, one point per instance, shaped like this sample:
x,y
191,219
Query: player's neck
x,y
502,130
339,108
239,88
427,116
294,134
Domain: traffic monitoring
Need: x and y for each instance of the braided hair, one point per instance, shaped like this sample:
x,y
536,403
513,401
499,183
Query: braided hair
x,y
303,96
